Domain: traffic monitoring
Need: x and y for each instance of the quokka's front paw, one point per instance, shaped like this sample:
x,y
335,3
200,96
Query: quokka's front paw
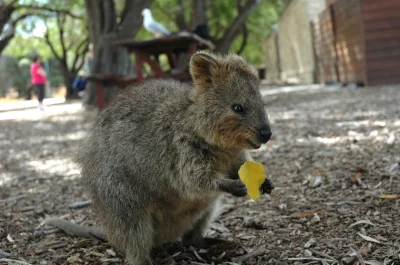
x,y
267,186
238,189
234,187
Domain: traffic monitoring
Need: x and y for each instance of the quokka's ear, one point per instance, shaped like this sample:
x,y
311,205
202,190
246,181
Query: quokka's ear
x,y
203,67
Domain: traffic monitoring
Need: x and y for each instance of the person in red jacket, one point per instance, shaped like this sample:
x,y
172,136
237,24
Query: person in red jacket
x,y
38,79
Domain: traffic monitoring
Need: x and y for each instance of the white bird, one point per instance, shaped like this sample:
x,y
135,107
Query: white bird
x,y
153,26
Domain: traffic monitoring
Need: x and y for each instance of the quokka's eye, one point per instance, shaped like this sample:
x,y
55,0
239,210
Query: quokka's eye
x,y
237,108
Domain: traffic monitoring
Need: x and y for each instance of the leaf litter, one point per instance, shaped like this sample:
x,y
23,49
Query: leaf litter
x,y
334,154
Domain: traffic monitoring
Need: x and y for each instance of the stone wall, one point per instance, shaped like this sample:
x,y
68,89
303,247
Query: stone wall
x,y
295,43
271,57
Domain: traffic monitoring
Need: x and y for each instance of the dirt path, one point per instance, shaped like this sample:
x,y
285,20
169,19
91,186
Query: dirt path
x,y
334,153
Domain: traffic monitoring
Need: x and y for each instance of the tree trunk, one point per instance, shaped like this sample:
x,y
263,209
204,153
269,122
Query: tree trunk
x,y
68,80
6,11
107,59
68,83
198,13
5,40
104,31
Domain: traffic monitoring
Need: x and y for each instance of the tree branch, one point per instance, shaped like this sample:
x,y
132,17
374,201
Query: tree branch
x,y
7,36
21,17
52,48
245,33
129,24
49,9
60,25
79,53
6,11
180,17
77,69
12,2
233,30
72,42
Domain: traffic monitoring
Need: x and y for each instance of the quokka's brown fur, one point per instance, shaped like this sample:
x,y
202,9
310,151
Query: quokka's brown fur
x,y
159,157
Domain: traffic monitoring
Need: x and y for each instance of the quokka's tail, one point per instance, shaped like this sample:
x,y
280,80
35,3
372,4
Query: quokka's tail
x,y
76,229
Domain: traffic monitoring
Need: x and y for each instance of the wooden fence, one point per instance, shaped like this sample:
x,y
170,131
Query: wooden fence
x,y
358,41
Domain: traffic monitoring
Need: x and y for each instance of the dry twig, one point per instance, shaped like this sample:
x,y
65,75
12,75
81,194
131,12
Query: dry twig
x,y
12,261
252,254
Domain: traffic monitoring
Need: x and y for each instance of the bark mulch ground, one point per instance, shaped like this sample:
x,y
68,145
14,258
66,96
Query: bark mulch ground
x,y
334,158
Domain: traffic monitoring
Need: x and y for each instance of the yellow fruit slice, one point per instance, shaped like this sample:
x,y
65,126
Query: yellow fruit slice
x,y
252,174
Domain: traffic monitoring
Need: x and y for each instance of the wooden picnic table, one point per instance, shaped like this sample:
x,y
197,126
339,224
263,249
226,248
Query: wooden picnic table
x,y
148,51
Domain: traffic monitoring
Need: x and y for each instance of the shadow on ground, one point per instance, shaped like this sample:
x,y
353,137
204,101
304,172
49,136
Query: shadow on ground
x,y
333,154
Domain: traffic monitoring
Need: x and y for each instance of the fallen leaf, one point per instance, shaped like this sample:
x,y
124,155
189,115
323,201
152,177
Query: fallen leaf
x,y
393,169
79,205
307,253
355,178
97,254
110,252
317,181
315,219
368,238
221,256
4,254
386,261
368,222
357,254
9,238
74,259
377,185
305,214
373,262
112,260
324,262
198,256
282,206
309,243
391,139
389,196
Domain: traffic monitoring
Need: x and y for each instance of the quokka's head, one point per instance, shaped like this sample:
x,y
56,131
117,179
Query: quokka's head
x,y
231,111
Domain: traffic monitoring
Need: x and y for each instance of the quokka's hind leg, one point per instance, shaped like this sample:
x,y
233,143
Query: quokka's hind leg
x,y
195,235
138,253
134,239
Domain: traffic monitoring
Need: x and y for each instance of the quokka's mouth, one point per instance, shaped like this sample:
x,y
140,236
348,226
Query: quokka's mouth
x,y
253,143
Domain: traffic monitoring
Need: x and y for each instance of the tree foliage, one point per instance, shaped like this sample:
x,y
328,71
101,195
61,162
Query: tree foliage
x,y
58,29
258,27
245,38
54,32
18,74
14,11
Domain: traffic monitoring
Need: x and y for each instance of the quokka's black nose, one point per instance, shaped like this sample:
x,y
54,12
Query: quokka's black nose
x,y
265,135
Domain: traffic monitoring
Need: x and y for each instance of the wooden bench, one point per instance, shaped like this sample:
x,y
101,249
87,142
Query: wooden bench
x,y
103,80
